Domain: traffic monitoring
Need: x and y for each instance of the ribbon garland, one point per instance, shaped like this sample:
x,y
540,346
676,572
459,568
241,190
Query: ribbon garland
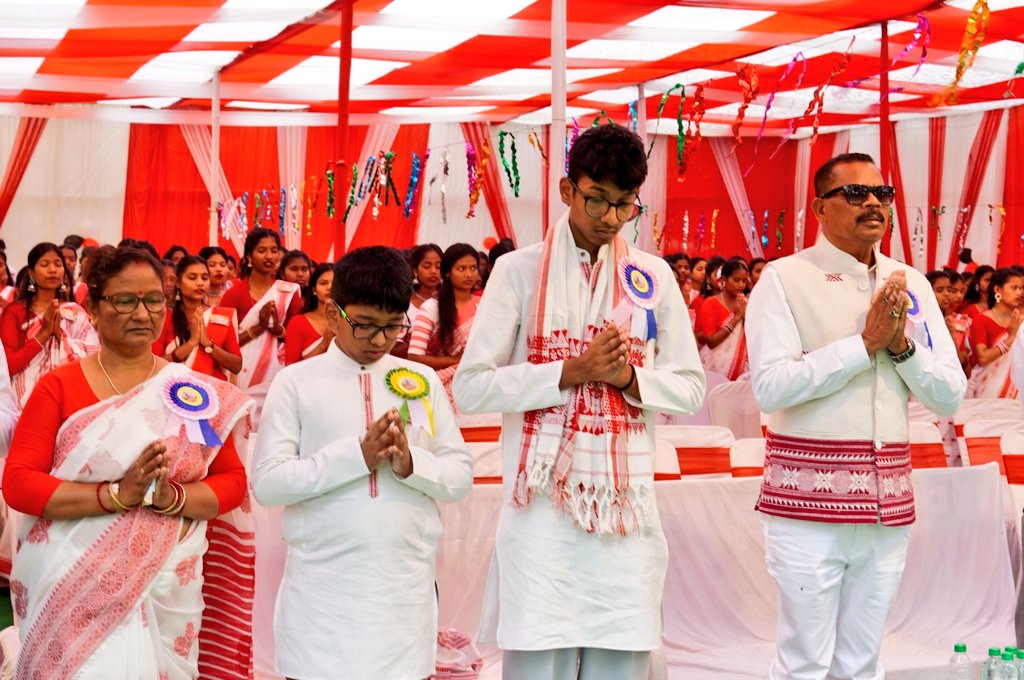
x,y
791,128
351,193
511,166
686,229
471,177
282,208
679,120
974,35
750,86
414,181
330,190
818,100
243,216
768,105
534,140
632,120
764,232
692,130
922,36
368,177
778,230
714,219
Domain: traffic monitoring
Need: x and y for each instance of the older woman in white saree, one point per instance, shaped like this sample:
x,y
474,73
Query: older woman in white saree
x,y
134,493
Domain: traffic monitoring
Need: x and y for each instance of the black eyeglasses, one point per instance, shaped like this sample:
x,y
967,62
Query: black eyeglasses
x,y
126,303
368,331
597,207
858,193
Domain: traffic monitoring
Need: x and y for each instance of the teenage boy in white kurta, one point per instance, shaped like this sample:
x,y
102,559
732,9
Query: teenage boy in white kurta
x,y
576,580
839,336
360,491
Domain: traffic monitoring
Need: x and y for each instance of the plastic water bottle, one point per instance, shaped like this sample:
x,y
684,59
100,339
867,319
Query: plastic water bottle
x,y
1007,668
1020,663
959,663
990,669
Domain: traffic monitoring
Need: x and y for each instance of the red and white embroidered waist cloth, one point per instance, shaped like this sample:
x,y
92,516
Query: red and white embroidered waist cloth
x,y
848,481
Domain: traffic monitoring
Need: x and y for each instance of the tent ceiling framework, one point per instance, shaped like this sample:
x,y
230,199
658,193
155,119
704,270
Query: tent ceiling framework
x,y
433,75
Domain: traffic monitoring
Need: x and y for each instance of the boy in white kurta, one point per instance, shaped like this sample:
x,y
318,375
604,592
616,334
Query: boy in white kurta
x,y
578,341
360,490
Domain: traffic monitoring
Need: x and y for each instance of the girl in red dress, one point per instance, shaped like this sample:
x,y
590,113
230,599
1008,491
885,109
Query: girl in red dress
x,y
308,333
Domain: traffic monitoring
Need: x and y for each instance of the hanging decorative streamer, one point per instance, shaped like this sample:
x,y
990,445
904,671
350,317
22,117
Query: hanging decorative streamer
x,y
296,201
778,230
750,86
692,130
258,212
310,202
243,219
511,168
478,177
962,226
267,204
701,221
768,105
658,234
389,185
1017,72
534,140
471,177
632,120
918,236
380,186
351,193
576,135
764,232
798,230
679,120
753,230
369,178
282,209
414,181
792,129
936,212
974,35
330,190
714,219
444,185
922,36
686,230
818,100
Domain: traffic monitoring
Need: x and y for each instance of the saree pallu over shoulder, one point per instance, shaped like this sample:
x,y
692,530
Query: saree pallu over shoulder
x,y
77,339
78,583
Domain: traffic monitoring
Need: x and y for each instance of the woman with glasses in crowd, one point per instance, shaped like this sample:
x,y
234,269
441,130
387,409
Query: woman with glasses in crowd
x,y
41,329
124,461
203,338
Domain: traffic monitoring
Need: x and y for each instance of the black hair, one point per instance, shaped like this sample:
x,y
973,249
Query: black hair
x,y
69,247
954,275
714,263
937,275
231,258
672,258
732,266
206,252
106,262
420,252
823,177
609,153
973,294
309,302
7,265
73,240
294,255
376,276
756,261
447,312
169,254
182,324
23,294
999,278
136,244
251,241
966,256
502,247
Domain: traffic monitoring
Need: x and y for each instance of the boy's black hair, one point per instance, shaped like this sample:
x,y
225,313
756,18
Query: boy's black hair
x,y
376,276
609,153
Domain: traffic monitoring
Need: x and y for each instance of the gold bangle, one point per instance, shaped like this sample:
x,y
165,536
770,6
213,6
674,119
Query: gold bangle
x,y
112,489
180,496
250,333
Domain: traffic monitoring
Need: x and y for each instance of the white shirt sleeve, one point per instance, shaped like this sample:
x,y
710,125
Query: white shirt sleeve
x,y
280,476
781,374
8,406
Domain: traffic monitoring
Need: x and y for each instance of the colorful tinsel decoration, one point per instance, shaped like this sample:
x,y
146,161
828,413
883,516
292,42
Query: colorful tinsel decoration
x,y
797,58
632,120
351,193
749,85
922,36
680,139
330,190
282,210
974,36
714,220
475,168
511,167
258,212
692,130
414,182
444,185
778,230
818,100
764,232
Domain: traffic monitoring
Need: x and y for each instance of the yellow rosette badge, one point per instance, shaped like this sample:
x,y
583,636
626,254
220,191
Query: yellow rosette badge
x,y
413,388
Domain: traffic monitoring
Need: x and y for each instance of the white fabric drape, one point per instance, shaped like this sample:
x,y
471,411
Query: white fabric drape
x,y
378,138
291,166
652,195
74,184
912,139
841,144
732,175
803,169
200,144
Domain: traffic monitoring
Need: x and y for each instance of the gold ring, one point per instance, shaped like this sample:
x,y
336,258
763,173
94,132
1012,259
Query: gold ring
x,y
894,313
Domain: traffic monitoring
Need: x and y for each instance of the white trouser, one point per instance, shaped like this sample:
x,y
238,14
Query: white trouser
x,y
574,663
836,583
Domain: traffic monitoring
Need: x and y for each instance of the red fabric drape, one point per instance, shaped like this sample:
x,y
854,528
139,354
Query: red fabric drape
x,y
25,141
479,135
977,162
936,159
822,151
901,207
321,143
1011,246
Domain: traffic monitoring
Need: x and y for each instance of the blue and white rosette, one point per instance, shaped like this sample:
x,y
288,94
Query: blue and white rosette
x,y
916,314
195,402
642,290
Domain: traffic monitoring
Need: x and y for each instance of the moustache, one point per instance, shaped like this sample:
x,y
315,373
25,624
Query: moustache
x,y
873,215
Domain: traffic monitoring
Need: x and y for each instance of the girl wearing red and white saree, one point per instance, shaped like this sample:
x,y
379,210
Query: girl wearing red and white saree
x,y
114,566
442,326
203,338
265,305
41,330
721,324
309,334
992,336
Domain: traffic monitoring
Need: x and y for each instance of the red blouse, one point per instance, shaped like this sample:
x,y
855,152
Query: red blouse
x,y
713,315
300,335
228,343
239,296
27,482
19,348
985,331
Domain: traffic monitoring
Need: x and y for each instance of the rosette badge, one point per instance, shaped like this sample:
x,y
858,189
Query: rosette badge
x,y
195,402
641,288
413,388
915,313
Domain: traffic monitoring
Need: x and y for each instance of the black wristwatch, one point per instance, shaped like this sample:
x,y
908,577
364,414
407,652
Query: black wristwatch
x,y
905,354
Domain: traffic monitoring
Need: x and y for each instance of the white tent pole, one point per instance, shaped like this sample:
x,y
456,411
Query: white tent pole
x,y
214,156
556,138
641,113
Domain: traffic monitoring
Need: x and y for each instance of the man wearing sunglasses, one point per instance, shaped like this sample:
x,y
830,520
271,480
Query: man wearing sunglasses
x,y
839,336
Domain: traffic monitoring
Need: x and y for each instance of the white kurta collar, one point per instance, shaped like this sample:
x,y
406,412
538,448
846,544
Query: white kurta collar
x,y
842,260
346,364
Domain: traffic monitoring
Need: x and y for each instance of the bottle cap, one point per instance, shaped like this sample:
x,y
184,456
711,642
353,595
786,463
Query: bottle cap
x,y
1007,656
959,648
994,651
1010,649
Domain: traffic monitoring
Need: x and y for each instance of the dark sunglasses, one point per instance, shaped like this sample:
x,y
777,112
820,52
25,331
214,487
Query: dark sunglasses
x,y
858,193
